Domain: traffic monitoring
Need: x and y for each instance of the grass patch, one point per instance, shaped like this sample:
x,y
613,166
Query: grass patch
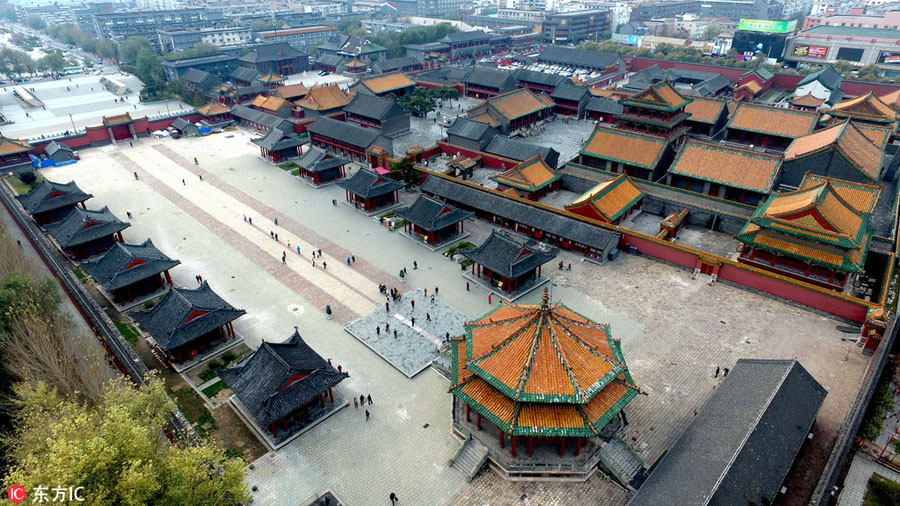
x,y
288,166
128,332
207,375
23,188
81,275
190,403
295,172
466,263
881,492
215,388
206,424
233,453
464,245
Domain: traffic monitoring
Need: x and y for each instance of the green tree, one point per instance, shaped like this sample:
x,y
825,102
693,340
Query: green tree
x,y
52,61
36,22
711,30
418,103
131,47
869,72
116,450
405,171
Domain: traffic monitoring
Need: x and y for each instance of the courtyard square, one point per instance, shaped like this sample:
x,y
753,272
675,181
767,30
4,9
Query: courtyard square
x,y
675,330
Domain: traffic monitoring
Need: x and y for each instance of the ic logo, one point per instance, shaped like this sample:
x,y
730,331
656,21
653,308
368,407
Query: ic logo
x,y
17,493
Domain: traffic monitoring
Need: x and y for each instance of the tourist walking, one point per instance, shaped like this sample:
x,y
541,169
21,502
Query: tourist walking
x,y
136,176
369,398
393,498
250,220
271,234
355,403
353,257
276,236
415,265
276,222
427,317
412,322
298,250
412,302
325,265
362,399
348,261
183,183
717,372
467,286
367,415
489,298
195,161
387,307
395,333
377,331
432,298
435,290
725,372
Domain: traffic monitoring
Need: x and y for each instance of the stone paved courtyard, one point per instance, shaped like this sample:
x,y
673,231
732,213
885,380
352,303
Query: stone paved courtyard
x,y
418,340
675,330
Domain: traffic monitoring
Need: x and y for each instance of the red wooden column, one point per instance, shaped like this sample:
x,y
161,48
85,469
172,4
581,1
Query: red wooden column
x,y
468,408
222,332
284,423
478,423
162,281
119,234
331,395
530,442
274,432
514,442
562,446
501,438
322,399
578,446
168,278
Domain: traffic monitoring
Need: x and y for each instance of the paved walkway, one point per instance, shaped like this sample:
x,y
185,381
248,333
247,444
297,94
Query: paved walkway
x,y
858,479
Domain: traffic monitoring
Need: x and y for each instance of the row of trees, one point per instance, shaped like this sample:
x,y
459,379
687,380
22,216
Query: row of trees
x,y
69,419
69,34
395,41
422,101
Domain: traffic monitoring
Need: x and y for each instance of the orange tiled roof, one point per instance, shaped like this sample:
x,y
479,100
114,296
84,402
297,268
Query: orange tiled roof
x,y
602,92
833,216
518,103
752,86
323,98
213,108
705,110
530,175
735,167
878,134
11,146
628,147
772,120
291,91
540,356
119,119
485,118
892,100
610,199
846,138
866,106
807,100
387,82
661,95
861,197
799,247
542,370
271,77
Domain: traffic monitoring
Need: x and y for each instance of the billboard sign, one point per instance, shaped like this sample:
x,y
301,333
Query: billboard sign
x,y
764,25
889,57
811,51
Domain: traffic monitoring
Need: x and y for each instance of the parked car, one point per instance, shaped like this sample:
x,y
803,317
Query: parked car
x,y
323,73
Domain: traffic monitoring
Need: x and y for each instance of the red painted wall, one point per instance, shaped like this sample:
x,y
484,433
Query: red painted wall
x,y
661,251
806,296
487,159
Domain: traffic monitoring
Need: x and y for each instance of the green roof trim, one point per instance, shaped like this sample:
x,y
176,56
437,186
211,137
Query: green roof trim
x,y
627,206
650,104
615,409
845,265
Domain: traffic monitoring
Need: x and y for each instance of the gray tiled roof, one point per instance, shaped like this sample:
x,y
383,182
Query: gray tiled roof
x,y
125,264
469,129
457,37
329,60
246,74
184,126
49,196
317,159
395,64
508,255
354,135
270,52
259,383
491,78
54,146
204,80
569,91
82,226
531,76
367,184
431,214
472,198
257,116
335,42
604,105
445,76
184,315
277,140
740,446
521,150
254,89
579,57
829,78
370,106
711,86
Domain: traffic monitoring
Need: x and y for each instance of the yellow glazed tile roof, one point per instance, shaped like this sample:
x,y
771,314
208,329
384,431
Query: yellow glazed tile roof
x,y
729,166
610,198
772,120
387,82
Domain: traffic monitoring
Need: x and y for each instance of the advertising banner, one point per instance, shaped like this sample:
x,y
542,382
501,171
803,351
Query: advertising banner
x,y
765,25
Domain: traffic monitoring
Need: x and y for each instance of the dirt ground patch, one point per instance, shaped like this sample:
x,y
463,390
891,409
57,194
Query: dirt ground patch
x,y
234,434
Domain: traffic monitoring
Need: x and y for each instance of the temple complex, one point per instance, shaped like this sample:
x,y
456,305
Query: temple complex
x,y
84,232
51,202
128,271
435,222
508,263
610,201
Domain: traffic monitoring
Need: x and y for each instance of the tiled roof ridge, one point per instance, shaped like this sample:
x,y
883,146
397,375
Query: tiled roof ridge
x,y
498,346
587,420
535,340
727,149
579,391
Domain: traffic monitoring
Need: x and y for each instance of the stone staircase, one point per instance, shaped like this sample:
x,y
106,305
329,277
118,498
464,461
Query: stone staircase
x,y
470,458
620,459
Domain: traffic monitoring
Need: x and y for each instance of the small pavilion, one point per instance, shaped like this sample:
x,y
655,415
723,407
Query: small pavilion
x,y
271,80
278,145
131,270
13,152
215,114
532,178
540,374
369,191
433,221
83,232
187,322
282,383
507,262
319,167
51,202
119,127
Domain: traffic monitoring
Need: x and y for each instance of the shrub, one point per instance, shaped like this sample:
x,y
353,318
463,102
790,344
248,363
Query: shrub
x,y
28,177
149,304
228,356
215,364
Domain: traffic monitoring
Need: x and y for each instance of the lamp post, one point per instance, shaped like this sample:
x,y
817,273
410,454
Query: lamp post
x,y
167,106
73,122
